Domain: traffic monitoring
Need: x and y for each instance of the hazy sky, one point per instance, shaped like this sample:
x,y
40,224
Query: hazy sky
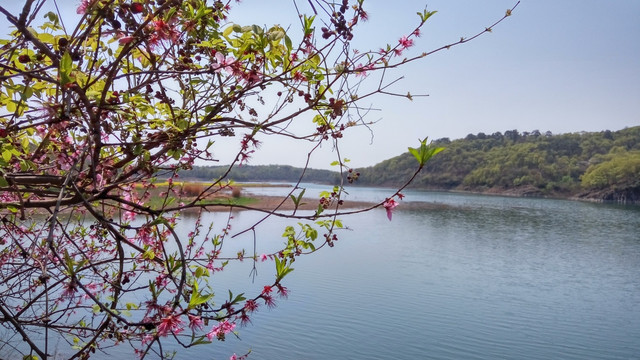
x,y
563,66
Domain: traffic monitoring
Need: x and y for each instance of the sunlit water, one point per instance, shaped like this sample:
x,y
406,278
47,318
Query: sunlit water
x,y
483,278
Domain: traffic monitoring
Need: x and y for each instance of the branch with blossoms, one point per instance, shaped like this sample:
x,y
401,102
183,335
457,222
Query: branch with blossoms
x,y
99,115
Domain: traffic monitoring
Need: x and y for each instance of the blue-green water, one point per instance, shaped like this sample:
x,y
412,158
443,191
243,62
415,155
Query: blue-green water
x,y
484,278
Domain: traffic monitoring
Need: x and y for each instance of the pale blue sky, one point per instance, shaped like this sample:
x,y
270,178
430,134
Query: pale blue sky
x,y
563,66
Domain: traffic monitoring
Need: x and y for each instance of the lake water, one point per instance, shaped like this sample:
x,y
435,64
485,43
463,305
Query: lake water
x,y
484,278
475,277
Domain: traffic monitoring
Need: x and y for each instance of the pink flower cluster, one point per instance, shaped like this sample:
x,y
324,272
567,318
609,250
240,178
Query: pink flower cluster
x,y
195,322
84,5
405,43
170,324
162,30
223,328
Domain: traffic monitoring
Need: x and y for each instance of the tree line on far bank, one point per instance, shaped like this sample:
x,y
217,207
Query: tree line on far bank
x,y
601,165
263,173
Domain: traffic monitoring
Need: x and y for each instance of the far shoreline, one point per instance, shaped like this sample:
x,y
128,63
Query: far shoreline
x,y
270,202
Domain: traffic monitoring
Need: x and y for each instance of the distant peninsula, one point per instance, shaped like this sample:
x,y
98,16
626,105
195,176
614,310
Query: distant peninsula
x,y
595,166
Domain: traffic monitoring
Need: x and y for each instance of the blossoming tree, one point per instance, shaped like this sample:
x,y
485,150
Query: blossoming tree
x,y
95,108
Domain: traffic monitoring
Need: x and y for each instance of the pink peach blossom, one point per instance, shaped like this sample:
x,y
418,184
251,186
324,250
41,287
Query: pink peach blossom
x,y
170,324
405,42
389,205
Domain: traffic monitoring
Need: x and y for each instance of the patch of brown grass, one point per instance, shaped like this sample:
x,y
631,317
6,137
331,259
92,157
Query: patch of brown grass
x,y
192,189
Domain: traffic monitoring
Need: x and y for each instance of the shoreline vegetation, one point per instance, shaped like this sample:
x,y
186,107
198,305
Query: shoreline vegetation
x,y
588,166
239,198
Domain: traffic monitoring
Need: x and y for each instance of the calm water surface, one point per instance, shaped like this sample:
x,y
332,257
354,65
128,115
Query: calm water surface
x,y
475,277
485,278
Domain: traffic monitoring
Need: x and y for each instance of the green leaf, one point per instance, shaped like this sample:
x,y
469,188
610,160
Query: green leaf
x,y
424,152
66,64
425,15
201,340
315,60
308,23
257,29
26,95
319,210
296,200
288,43
276,35
240,297
197,298
46,38
227,31
52,17
149,254
12,106
3,182
69,262
281,268
170,13
289,231
160,220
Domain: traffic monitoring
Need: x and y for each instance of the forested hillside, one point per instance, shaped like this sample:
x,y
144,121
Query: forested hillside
x,y
603,165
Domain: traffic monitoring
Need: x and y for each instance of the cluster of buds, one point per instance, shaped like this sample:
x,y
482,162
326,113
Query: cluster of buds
x,y
339,23
330,239
327,202
353,176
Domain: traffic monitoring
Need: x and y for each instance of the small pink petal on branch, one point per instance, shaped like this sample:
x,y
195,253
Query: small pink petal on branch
x,y
389,205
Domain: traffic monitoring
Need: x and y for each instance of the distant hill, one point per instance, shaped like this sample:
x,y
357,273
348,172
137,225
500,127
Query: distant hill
x,y
599,165
262,173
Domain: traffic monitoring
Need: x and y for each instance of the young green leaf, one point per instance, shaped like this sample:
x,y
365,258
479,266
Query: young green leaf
x,y
297,199
424,152
282,269
66,64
